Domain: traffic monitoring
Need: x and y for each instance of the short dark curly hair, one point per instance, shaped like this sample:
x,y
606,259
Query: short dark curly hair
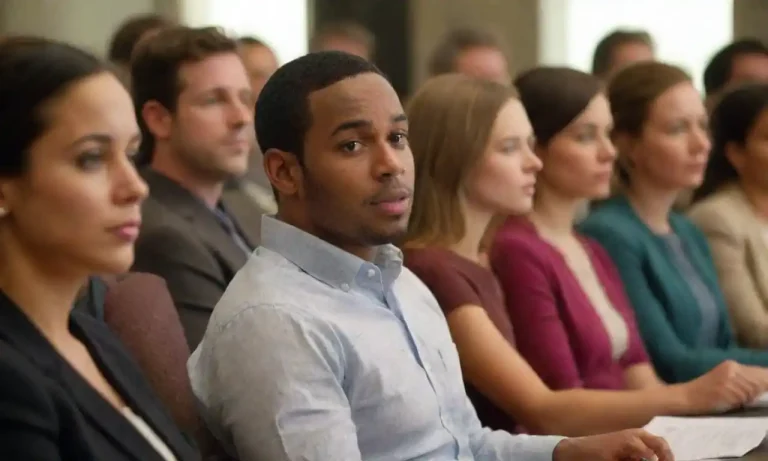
x,y
284,116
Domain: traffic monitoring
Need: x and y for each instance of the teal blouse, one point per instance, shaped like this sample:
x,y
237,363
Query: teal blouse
x,y
668,315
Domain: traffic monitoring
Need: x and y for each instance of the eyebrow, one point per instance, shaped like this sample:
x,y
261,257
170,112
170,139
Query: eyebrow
x,y
360,123
101,138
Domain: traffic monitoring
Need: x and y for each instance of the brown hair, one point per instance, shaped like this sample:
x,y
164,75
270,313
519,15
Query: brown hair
x,y
447,52
130,33
553,97
349,30
450,118
602,60
632,93
156,64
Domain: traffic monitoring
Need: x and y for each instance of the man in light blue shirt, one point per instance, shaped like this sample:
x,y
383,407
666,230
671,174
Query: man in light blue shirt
x,y
324,347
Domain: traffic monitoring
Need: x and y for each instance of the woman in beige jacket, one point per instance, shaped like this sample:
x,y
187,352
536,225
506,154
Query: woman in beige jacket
x,y
731,207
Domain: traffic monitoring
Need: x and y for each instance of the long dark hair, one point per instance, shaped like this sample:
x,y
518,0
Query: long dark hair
x,y
733,118
33,72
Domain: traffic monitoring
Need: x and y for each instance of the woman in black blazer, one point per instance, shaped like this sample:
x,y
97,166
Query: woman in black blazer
x,y
69,207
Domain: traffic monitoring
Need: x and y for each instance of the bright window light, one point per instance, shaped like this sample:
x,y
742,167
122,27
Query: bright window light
x,y
686,32
280,23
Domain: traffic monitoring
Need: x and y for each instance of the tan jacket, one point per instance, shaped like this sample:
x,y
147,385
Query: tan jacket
x,y
740,252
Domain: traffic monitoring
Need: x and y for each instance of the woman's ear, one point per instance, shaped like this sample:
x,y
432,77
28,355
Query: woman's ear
x,y
735,155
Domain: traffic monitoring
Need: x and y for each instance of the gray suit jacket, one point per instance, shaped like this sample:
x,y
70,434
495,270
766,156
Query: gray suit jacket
x,y
182,242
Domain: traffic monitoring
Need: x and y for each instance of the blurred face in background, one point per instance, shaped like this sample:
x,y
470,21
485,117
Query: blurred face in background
x,y
260,63
578,161
211,131
672,151
486,63
748,67
629,53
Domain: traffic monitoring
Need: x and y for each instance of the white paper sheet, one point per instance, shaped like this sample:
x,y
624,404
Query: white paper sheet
x,y
695,439
760,402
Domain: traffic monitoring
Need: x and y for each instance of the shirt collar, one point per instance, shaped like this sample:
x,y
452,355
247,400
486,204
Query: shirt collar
x,y
326,262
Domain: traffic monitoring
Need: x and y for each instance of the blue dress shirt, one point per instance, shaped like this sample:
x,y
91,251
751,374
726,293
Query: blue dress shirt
x,y
313,354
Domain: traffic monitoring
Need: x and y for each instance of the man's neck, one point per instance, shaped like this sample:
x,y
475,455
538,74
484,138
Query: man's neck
x,y
364,252
207,190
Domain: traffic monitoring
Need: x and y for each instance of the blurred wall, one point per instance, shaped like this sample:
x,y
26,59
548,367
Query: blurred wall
x,y
750,19
86,23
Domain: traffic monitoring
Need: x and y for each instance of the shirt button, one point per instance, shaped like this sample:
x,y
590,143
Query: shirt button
x,y
371,273
345,286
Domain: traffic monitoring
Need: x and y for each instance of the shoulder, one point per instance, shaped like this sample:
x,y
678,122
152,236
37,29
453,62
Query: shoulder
x,y
430,265
26,391
266,280
517,240
685,226
722,210
170,240
615,212
99,334
411,286
614,224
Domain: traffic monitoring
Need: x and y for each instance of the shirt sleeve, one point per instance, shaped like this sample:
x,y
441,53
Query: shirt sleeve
x,y
490,445
278,403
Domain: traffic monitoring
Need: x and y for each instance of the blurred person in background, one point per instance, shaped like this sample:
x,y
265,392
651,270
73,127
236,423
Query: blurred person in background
x,y
661,134
125,38
744,60
195,107
472,52
260,61
619,49
347,36
731,207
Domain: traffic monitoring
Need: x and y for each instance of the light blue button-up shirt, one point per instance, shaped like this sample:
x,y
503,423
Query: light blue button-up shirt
x,y
313,354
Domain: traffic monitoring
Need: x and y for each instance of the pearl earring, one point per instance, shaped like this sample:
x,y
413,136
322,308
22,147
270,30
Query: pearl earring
x,y
3,212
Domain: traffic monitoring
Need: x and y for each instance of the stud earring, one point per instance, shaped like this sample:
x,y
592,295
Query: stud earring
x,y
3,212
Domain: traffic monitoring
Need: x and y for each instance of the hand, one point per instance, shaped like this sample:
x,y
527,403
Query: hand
x,y
633,444
727,386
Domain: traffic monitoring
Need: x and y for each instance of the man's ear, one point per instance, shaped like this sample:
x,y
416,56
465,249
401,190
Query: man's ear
x,y
284,172
158,119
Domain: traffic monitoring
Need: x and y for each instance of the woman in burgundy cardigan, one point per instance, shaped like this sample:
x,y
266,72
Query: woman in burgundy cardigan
x,y
472,145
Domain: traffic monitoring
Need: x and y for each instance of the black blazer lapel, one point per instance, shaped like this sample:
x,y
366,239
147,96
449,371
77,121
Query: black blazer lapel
x,y
117,368
20,333
202,220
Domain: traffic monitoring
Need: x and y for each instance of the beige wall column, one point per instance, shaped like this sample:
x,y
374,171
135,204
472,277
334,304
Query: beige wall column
x,y
750,19
85,23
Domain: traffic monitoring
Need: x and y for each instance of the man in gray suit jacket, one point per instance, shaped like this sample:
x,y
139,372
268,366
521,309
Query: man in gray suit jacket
x,y
195,108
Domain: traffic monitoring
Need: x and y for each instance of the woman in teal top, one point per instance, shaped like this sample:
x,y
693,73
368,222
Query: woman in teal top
x,y
661,135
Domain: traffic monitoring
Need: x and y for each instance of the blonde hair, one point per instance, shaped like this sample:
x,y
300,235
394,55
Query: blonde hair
x,y
451,118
